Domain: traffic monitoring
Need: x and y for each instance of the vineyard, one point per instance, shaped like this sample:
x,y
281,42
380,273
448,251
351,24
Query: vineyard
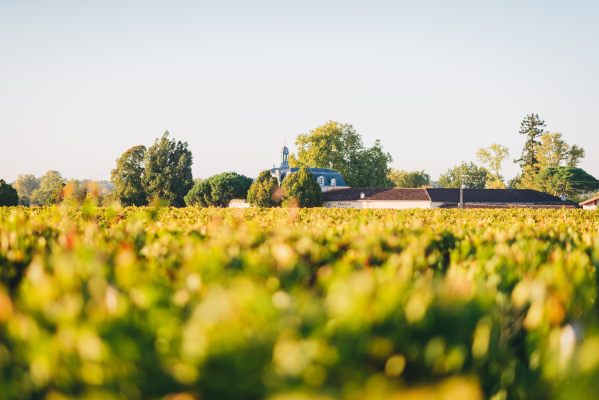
x,y
294,304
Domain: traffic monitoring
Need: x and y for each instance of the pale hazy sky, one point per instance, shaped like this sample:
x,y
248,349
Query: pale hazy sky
x,y
82,81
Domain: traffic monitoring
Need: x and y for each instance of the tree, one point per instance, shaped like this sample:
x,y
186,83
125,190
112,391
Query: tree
x,y
570,181
26,185
127,177
493,156
74,191
531,126
49,183
554,151
493,183
328,146
339,147
405,179
474,177
24,201
92,192
263,192
219,190
200,194
302,189
57,195
167,173
525,179
369,167
515,182
575,155
78,192
8,195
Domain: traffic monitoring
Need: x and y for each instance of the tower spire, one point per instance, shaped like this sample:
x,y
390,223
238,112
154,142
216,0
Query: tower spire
x,y
285,156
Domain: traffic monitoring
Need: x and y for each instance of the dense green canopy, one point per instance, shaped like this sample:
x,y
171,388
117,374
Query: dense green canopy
x,y
127,177
301,189
219,190
162,172
473,177
570,181
167,173
263,192
409,179
339,147
8,194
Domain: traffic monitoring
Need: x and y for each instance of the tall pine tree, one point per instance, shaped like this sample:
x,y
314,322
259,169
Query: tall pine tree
x,y
531,126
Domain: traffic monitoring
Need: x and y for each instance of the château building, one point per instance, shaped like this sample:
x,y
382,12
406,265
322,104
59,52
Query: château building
x,y
326,178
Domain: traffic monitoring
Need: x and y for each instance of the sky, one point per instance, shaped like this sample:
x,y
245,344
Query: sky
x,y
81,82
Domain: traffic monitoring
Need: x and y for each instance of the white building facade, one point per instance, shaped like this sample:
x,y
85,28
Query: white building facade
x,y
590,204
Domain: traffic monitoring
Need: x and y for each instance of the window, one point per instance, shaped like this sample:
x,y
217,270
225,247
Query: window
x,y
333,182
320,180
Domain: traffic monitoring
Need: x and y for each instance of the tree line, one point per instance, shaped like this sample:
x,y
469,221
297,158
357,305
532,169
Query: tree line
x,y
161,174
164,172
50,188
548,164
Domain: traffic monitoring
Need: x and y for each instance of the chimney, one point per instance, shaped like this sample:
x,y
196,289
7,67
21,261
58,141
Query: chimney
x,y
362,195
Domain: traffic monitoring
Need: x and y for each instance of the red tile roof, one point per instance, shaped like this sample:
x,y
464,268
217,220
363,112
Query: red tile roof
x,y
353,194
508,197
394,194
590,201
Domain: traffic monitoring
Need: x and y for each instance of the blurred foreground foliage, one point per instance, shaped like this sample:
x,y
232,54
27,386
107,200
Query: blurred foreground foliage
x,y
291,304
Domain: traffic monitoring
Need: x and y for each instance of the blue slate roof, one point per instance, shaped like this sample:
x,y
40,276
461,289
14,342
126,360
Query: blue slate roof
x,y
327,174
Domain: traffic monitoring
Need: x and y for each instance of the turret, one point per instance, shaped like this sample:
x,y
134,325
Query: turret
x,y
284,157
